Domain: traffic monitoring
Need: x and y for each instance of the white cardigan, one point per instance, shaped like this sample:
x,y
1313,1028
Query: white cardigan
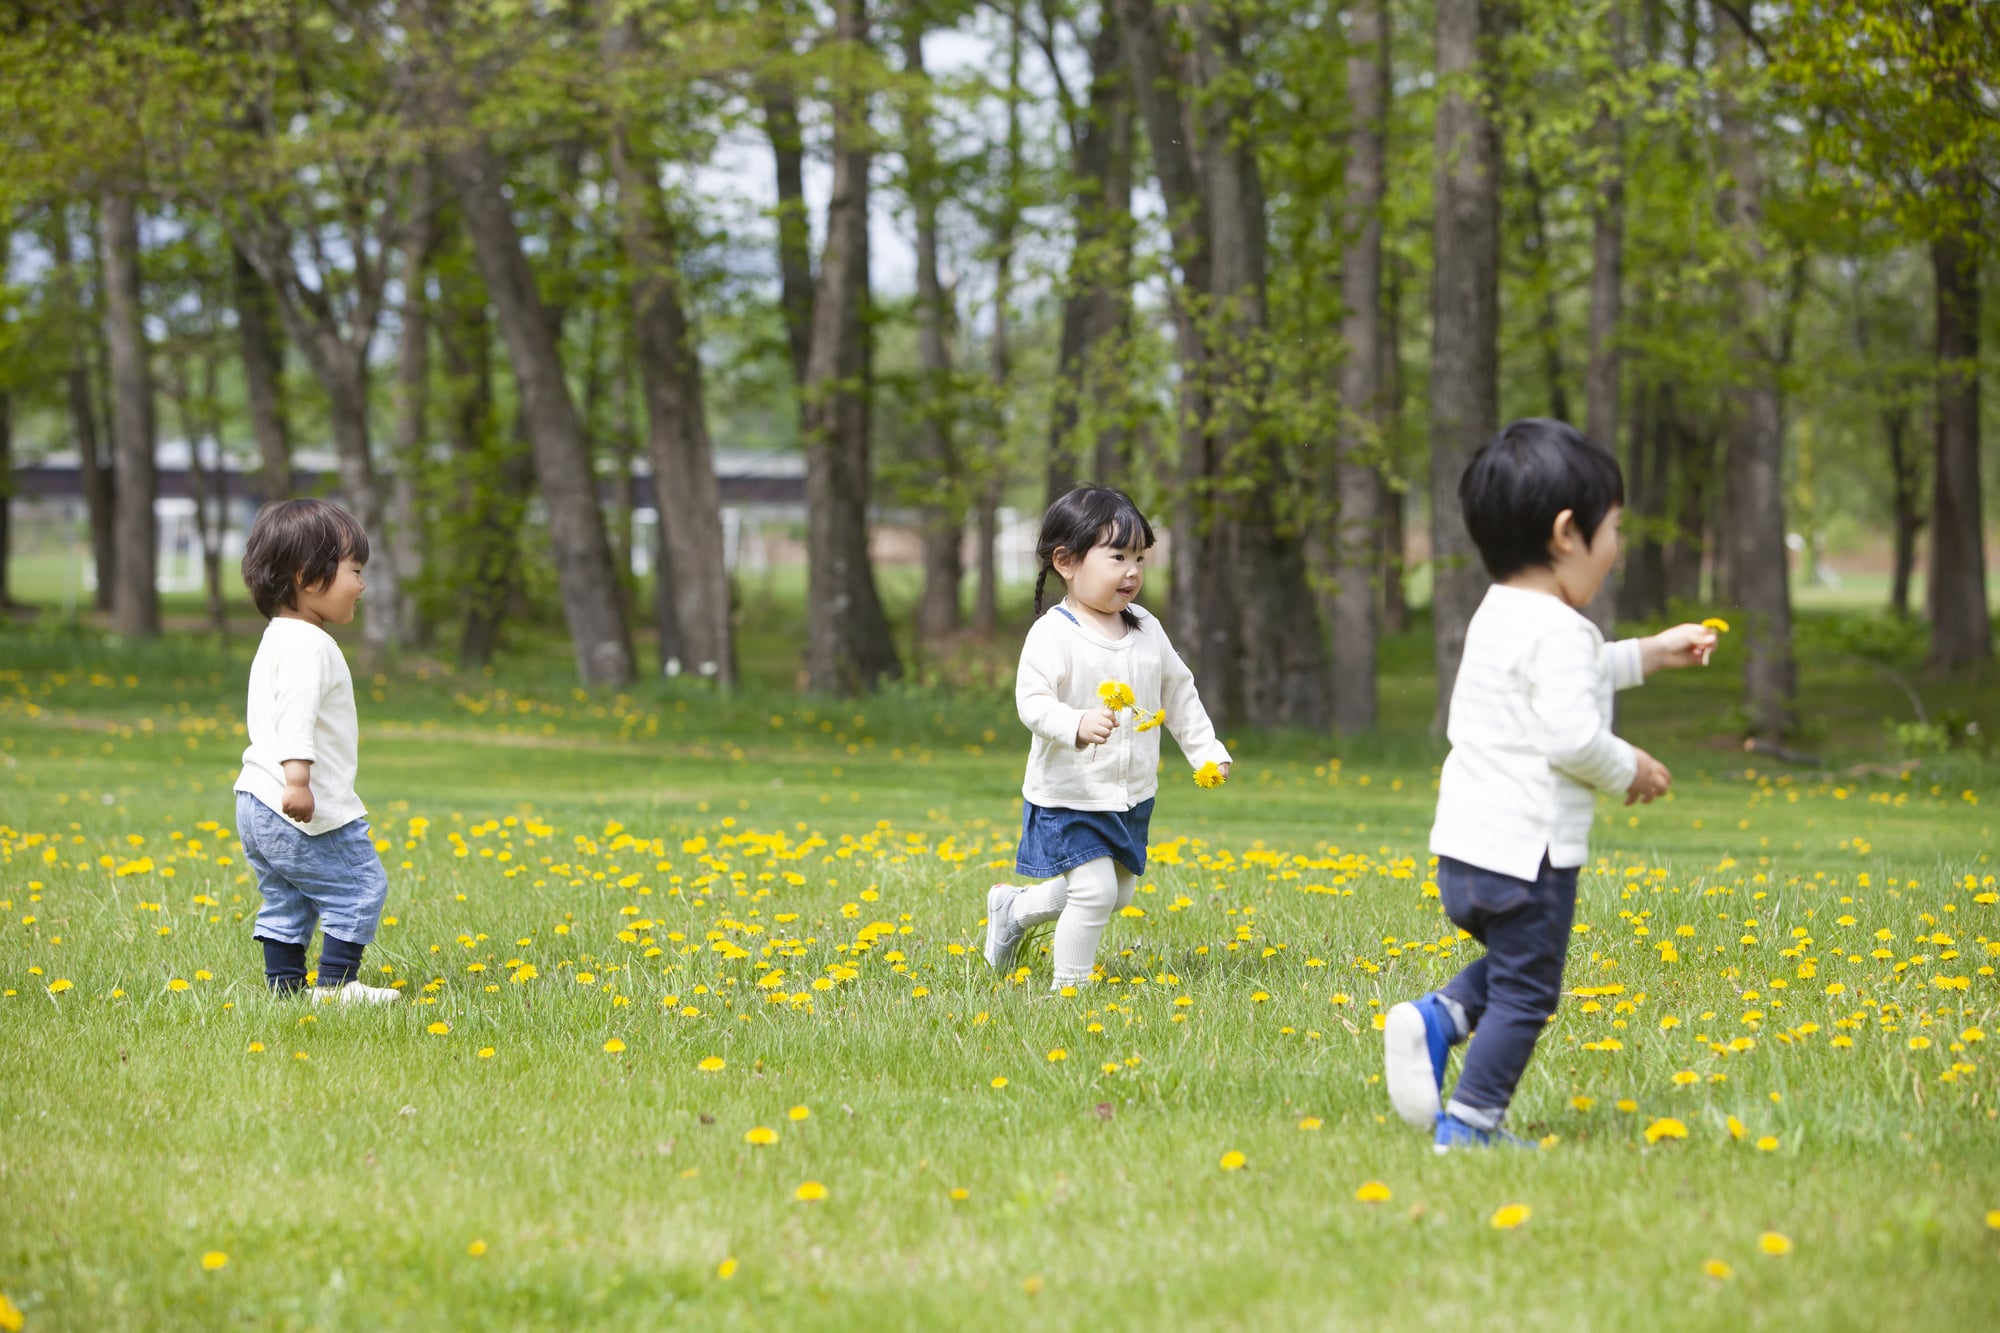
x,y
1062,664
1530,730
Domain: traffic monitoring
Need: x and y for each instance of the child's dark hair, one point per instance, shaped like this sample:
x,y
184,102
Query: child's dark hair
x,y
298,543
1517,483
1089,516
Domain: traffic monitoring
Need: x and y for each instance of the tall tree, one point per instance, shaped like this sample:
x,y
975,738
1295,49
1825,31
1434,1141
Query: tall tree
x,y
687,495
135,598
1465,315
1602,381
410,433
1356,621
1759,577
1000,346
92,467
938,608
263,352
848,645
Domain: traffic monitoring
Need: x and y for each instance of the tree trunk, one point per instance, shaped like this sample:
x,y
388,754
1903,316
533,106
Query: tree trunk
x,y
1754,468
1642,590
1391,501
95,476
1694,449
263,374
135,599
1607,289
1548,320
781,123
1961,633
7,602
1098,293
1358,478
410,435
687,496
944,513
1465,318
591,604
848,648
1908,517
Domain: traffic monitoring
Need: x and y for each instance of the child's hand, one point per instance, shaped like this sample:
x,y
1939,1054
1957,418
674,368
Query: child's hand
x,y
1650,781
299,802
1096,727
1681,646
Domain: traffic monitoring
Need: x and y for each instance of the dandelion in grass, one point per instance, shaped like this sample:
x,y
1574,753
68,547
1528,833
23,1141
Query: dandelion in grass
x,y
999,1081
1057,1055
760,1136
1718,1270
799,1112
1233,1161
1993,1220
11,1318
476,1248
961,1194
1511,1216
486,1052
256,1047
1736,1130
1311,1122
1373,1191
1582,1103
613,1046
214,1260
726,1269
438,1029
713,1064
1665,1128
1767,1144
59,985
1773,1243
810,1192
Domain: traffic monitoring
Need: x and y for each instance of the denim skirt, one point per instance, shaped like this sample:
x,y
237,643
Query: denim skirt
x,y
1056,841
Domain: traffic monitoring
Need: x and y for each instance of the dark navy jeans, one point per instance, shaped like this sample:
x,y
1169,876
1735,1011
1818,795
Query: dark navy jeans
x,y
1509,994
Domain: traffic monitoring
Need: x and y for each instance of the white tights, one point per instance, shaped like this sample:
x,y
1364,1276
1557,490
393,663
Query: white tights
x,y
1080,903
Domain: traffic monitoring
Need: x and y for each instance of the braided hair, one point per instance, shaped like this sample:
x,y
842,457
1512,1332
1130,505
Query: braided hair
x,y
1089,516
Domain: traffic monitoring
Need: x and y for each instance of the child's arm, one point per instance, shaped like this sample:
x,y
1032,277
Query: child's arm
x,y
301,683
1187,720
1681,646
1038,694
1562,675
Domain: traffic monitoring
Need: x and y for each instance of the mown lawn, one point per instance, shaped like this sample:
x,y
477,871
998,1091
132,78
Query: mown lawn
x,y
635,930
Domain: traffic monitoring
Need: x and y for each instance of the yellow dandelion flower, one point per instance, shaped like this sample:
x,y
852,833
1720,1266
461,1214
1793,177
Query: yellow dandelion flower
x,y
1735,1128
477,1248
59,985
1208,775
11,1318
713,1064
256,1047
438,1029
760,1136
1159,716
1373,1191
999,1080
1511,1216
1685,1077
1233,1161
961,1194
1116,694
1310,1122
799,1112
1627,1105
810,1192
1767,1144
177,985
1718,1270
1773,1243
1993,1220
213,1260
1716,623
1582,1103
486,1052
613,1046
1058,1054
726,1269
1665,1128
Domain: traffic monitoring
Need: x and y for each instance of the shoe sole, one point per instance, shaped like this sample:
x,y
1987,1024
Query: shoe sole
x,y
1406,1067
996,897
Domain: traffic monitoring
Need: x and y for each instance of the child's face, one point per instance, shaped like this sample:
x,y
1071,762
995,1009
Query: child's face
x,y
1581,570
1106,578
333,602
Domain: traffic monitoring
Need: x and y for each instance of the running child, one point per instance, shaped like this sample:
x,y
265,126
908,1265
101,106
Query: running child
x,y
1088,795
1531,746
302,827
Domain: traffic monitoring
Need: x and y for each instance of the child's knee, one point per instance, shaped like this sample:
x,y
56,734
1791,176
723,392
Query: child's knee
x,y
1093,888
1128,885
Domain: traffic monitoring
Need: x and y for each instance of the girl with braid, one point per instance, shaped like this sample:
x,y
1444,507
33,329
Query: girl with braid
x,y
1088,795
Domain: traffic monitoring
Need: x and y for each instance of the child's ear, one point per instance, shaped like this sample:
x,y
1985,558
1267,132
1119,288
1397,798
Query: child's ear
x,y
1062,560
1563,534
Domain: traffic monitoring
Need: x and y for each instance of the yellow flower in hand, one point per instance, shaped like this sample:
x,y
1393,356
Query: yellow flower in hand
x,y
1717,624
1155,720
1209,774
1116,694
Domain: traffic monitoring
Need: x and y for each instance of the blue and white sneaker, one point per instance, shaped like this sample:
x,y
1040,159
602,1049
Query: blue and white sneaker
x,y
1453,1133
1003,932
1416,1043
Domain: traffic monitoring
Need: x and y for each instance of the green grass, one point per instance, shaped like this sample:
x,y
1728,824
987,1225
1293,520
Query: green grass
x,y
141,1131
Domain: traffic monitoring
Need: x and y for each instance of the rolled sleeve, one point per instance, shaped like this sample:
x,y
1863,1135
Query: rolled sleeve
x,y
1562,679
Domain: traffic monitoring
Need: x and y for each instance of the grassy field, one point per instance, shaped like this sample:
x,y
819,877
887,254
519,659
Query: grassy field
x,y
641,934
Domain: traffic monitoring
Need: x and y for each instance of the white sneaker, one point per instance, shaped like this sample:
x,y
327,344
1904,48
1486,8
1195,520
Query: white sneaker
x,y
1003,932
355,993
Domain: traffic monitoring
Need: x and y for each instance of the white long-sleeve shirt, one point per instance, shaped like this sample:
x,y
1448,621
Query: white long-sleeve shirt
x,y
1062,664
302,707
1530,731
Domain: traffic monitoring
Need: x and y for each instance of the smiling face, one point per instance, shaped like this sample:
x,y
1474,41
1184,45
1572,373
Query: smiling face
x,y
333,602
1106,579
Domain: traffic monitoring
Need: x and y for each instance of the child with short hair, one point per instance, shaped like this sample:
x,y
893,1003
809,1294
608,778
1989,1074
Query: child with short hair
x,y
1087,798
1531,746
302,827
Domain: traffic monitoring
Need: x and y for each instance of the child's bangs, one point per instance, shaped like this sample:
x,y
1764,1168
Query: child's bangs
x,y
1124,529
